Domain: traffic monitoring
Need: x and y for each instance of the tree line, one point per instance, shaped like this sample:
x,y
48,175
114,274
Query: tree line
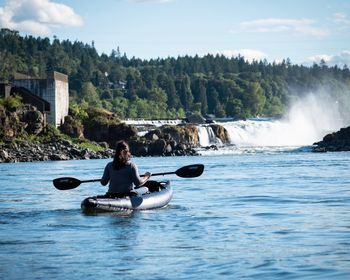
x,y
169,87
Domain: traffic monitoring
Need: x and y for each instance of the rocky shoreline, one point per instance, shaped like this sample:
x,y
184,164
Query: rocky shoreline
x,y
102,130
26,122
65,150
58,150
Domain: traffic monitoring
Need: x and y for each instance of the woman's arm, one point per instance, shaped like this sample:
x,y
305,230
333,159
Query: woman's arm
x,y
137,180
106,176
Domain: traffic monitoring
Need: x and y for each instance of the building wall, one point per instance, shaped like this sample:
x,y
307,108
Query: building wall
x,y
5,90
54,90
62,100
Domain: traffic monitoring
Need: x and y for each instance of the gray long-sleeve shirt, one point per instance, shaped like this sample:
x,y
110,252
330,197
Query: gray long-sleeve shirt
x,y
122,180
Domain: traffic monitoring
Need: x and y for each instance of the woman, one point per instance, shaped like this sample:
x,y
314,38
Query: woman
x,y
121,173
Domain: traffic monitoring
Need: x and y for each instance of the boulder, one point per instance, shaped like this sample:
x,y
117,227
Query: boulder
x,y
190,135
72,127
157,148
4,155
120,131
174,132
220,132
153,135
195,119
103,145
138,148
24,120
337,141
58,156
34,120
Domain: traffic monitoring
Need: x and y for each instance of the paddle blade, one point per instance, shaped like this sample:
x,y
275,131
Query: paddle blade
x,y
66,183
190,171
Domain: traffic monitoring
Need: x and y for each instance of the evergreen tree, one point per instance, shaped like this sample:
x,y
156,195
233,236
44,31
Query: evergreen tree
x,y
199,92
183,89
170,86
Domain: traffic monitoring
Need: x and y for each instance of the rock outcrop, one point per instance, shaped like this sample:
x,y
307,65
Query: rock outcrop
x,y
221,133
20,122
103,126
100,126
72,127
167,141
334,142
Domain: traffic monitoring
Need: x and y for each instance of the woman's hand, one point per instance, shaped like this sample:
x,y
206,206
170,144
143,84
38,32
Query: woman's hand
x,y
146,176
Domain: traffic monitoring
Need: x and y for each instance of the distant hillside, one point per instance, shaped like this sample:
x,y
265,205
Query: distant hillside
x,y
167,88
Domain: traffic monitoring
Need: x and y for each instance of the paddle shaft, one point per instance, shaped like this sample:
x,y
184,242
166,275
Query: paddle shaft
x,y
92,180
157,174
98,180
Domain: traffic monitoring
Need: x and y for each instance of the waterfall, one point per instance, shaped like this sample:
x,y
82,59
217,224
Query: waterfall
x,y
207,136
274,133
265,133
307,122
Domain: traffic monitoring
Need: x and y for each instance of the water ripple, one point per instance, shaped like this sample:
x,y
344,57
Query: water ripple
x,y
254,216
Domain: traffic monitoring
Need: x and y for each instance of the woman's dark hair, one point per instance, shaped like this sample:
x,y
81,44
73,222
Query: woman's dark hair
x,y
120,158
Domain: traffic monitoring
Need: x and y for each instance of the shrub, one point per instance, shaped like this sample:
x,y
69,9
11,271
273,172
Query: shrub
x,y
11,103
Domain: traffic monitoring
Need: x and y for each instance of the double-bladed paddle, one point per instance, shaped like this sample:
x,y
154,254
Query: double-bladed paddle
x,y
189,171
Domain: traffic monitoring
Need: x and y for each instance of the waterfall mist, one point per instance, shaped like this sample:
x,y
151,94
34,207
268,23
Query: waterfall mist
x,y
308,120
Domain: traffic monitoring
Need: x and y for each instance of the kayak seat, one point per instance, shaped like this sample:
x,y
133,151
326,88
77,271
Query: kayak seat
x,y
153,186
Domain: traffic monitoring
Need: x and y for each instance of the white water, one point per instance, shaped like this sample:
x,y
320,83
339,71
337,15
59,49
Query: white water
x,y
156,123
308,121
207,137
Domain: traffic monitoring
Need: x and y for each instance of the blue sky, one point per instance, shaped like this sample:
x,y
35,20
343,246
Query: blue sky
x,y
304,31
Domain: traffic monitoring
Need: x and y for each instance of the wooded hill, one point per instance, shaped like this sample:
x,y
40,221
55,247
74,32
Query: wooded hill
x,y
169,87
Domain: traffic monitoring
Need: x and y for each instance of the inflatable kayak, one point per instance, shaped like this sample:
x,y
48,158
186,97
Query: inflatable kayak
x,y
153,195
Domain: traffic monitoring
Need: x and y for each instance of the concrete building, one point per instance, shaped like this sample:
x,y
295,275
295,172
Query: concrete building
x,y
5,89
53,89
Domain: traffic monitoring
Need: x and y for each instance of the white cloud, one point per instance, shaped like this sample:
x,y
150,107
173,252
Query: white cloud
x,y
303,26
248,54
341,19
341,59
37,16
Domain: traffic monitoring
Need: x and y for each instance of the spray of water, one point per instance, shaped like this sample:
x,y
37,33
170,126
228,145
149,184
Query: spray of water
x,y
308,121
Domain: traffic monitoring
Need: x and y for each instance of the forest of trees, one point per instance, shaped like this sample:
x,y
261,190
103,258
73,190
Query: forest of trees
x,y
169,87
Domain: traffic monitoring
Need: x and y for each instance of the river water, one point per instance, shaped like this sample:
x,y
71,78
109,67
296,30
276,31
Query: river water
x,y
257,215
